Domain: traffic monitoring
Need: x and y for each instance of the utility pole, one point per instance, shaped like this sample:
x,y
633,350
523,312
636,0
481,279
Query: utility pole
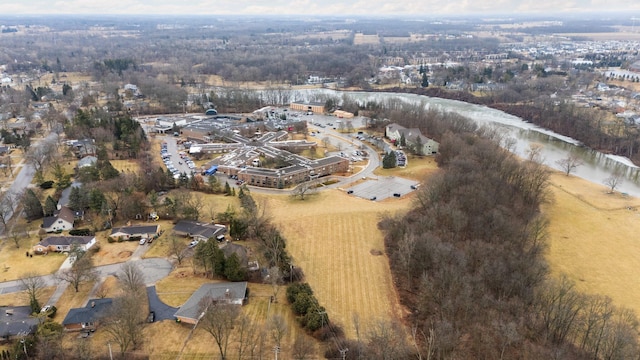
x,y
322,314
110,353
276,350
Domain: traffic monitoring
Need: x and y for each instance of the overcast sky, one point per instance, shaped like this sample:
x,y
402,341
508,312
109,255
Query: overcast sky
x,y
312,7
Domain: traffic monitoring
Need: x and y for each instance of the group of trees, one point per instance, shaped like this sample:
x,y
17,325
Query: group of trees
x,y
468,262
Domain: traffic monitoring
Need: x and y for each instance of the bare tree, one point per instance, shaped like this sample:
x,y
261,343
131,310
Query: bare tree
x,y
569,164
304,189
386,340
534,153
326,141
246,335
33,285
131,279
7,207
17,234
125,321
613,181
275,280
277,328
218,319
303,347
81,271
176,248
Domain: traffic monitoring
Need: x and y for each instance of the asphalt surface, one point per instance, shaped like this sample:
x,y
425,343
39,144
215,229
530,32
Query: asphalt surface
x,y
162,311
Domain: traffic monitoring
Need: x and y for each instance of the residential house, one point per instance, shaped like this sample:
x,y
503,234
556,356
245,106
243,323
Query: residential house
x,y
63,243
135,231
87,318
17,320
412,137
87,161
240,251
199,231
60,221
230,292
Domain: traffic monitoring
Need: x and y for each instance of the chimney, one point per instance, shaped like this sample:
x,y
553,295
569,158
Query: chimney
x,y
93,304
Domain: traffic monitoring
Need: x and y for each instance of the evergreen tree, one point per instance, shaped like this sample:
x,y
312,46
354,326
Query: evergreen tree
x,y
32,205
425,81
107,171
50,206
389,160
227,189
233,270
78,198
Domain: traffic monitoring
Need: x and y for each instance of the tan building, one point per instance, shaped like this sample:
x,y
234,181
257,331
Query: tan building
x,y
315,107
343,114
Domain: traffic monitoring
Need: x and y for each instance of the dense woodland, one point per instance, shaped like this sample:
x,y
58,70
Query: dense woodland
x,y
468,262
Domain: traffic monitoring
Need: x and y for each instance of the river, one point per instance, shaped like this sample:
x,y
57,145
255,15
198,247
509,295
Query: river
x,y
596,166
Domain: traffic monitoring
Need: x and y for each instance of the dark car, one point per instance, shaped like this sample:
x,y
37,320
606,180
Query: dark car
x,y
397,194
373,198
350,192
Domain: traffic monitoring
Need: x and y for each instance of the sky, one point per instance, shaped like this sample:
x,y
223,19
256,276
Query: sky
x,y
316,7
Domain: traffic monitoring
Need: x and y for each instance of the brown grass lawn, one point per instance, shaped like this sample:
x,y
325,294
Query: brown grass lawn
x,y
593,239
167,337
14,264
20,298
126,166
332,236
111,253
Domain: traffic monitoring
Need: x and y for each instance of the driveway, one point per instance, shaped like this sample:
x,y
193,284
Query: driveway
x,y
162,311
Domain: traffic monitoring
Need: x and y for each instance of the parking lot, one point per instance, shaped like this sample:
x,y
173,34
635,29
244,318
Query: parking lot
x,y
382,188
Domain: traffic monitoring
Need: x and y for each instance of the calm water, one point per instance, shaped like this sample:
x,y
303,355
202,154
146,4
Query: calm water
x,y
596,166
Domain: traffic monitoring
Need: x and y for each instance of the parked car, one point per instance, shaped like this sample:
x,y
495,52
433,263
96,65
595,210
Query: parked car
x,y
193,244
143,241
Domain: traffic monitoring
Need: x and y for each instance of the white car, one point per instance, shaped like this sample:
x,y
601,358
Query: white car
x,y
143,241
193,244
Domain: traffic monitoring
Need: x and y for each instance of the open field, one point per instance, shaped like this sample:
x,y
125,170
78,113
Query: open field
x,y
333,237
14,264
593,239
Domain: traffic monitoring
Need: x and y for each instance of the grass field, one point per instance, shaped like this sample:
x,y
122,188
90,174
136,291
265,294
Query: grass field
x,y
333,238
593,239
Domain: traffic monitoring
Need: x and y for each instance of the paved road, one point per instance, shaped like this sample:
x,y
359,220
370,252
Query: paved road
x,y
25,175
154,269
162,311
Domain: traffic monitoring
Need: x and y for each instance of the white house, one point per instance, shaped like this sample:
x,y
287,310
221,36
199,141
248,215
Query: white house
x,y
395,132
61,221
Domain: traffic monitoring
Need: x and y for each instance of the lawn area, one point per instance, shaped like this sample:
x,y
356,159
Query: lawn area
x,y
167,337
593,239
14,264
417,168
126,166
334,238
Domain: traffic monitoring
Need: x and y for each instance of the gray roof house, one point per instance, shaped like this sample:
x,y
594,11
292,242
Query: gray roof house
x,y
143,231
87,161
88,317
395,132
16,320
63,243
230,292
198,230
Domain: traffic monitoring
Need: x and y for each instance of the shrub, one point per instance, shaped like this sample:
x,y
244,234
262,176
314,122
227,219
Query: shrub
x,y
81,232
47,184
111,240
